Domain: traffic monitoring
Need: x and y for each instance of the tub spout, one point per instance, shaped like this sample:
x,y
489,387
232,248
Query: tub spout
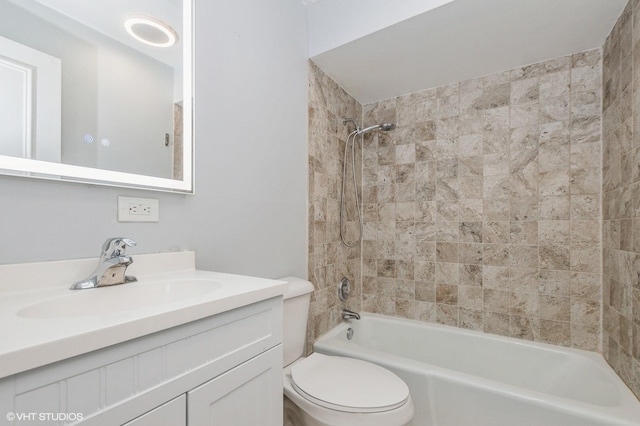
x,y
347,314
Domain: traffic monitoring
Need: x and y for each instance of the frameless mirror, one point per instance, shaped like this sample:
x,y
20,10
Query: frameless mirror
x,y
97,91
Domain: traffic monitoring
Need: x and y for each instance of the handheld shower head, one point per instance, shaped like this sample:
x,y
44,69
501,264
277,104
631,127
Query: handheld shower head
x,y
351,141
385,127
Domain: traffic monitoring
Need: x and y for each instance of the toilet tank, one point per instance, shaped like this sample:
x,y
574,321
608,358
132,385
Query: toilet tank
x,y
296,311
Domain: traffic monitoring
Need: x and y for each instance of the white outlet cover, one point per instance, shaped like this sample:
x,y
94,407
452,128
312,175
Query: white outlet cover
x,y
135,209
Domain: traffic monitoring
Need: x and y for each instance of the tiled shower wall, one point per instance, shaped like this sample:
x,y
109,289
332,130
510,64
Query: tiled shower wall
x,y
621,203
329,259
482,209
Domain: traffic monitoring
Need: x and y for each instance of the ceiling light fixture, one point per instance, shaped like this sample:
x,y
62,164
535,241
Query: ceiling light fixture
x,y
151,31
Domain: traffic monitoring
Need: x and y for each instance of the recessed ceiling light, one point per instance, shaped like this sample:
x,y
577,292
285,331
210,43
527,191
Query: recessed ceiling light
x,y
151,31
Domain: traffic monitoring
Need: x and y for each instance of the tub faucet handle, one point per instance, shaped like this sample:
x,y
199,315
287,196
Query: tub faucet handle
x,y
347,315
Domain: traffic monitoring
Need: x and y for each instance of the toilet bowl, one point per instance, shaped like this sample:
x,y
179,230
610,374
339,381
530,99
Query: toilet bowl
x,y
322,390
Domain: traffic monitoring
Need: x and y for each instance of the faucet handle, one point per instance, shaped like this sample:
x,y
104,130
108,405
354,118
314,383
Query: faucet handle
x,y
115,247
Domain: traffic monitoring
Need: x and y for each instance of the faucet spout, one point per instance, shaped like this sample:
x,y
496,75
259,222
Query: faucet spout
x,y
112,266
347,315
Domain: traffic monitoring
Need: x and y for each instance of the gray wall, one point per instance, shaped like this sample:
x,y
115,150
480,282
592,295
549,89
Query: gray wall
x,y
249,212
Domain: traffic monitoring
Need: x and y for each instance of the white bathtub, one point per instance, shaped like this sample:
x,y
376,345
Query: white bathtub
x,y
465,378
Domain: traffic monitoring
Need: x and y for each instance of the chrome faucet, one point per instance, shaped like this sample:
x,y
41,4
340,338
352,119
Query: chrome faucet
x,y
111,267
347,315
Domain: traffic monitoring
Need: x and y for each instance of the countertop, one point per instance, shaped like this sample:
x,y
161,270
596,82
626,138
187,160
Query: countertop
x,y
27,342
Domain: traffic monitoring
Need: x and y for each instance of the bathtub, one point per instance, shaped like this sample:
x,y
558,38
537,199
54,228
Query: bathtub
x,y
465,378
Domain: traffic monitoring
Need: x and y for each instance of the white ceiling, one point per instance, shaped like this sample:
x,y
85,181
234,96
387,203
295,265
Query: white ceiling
x,y
465,39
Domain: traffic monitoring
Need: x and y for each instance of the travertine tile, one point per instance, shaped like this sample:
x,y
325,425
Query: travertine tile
x,y
585,312
495,254
554,257
523,280
524,304
470,319
447,315
471,232
554,332
496,277
497,301
585,336
586,233
497,323
524,232
483,208
470,253
447,273
527,328
554,158
496,209
586,78
524,114
496,232
447,294
425,291
523,91
554,84
586,259
585,207
554,207
554,183
555,308
554,282
328,258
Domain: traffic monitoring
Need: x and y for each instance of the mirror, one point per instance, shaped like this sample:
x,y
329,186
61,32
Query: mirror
x,y
85,99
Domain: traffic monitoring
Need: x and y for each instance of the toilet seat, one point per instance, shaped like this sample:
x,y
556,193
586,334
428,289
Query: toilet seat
x,y
347,384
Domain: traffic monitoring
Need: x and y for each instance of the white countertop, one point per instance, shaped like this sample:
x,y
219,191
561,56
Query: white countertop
x,y
28,342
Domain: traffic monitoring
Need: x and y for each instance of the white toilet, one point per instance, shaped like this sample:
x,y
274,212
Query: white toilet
x,y
323,390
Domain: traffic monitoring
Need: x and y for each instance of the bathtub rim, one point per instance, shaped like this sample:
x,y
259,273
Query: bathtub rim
x,y
628,410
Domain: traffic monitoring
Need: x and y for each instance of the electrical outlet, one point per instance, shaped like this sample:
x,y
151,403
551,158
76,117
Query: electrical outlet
x,y
138,209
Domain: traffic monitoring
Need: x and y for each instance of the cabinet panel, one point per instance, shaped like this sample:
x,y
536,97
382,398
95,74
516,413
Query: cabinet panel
x,y
173,413
118,383
248,395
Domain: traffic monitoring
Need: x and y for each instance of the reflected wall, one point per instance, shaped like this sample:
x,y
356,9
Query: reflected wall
x,y
117,103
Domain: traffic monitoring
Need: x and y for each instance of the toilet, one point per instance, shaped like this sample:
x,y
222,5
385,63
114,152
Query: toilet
x,y
322,390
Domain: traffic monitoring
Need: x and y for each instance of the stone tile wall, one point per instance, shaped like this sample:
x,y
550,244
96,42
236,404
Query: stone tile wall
x,y
621,197
329,259
482,209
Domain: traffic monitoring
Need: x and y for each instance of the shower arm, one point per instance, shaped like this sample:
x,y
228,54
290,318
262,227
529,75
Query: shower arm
x,y
347,120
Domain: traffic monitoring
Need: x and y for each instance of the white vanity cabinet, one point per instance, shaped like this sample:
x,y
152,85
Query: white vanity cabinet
x,y
225,369
172,413
246,395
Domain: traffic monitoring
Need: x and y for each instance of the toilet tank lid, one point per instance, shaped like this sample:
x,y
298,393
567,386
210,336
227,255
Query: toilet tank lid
x,y
297,287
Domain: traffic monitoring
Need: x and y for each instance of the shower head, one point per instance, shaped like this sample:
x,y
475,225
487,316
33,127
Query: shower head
x,y
385,127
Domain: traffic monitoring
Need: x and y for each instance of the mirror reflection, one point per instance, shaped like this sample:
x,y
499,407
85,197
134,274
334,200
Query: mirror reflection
x,y
80,87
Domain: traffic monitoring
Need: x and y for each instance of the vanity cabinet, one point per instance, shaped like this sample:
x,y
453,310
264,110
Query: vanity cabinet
x,y
172,413
242,396
225,369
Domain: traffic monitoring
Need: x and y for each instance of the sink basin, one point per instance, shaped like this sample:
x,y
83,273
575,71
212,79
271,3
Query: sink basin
x,y
119,298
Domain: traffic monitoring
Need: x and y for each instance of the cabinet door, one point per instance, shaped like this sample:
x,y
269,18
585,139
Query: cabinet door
x,y
173,413
248,395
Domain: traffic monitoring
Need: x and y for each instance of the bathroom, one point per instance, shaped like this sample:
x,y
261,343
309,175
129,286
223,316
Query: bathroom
x,y
553,264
